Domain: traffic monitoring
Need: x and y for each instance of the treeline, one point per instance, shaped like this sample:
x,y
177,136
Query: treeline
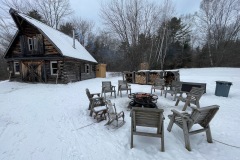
x,y
137,31
3,68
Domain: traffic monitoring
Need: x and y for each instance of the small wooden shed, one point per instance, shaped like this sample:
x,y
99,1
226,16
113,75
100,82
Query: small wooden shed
x,y
101,70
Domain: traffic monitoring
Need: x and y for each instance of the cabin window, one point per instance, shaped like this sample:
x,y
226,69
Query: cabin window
x,y
32,43
16,68
87,68
54,67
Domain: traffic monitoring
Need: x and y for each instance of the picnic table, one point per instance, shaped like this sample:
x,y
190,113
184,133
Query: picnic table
x,y
141,99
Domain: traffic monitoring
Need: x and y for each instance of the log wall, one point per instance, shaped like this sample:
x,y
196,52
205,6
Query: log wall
x,y
49,48
73,71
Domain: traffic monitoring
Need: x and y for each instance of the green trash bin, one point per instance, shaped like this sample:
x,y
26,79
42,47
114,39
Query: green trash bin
x,y
222,88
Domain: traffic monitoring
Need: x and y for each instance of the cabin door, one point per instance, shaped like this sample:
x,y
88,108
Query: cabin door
x,y
32,71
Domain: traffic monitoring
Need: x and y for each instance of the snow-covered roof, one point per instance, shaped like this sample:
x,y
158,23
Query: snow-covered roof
x,y
171,70
156,71
63,42
143,71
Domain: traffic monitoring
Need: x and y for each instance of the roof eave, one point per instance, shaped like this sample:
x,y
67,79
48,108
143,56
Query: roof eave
x,y
80,59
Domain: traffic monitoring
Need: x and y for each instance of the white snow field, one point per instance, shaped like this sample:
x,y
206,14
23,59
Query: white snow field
x,y
52,122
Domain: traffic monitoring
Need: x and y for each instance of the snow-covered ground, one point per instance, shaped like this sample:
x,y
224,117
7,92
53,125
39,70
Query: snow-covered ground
x,y
52,122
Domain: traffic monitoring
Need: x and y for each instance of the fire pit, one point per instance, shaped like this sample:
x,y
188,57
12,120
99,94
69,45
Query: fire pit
x,y
141,99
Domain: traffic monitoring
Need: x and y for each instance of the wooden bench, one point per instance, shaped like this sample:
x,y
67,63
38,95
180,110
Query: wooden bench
x,y
187,86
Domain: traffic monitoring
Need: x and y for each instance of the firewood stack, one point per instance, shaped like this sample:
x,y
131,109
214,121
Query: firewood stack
x,y
141,78
152,77
168,80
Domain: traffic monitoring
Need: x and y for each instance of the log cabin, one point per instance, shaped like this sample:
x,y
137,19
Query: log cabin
x,y
40,53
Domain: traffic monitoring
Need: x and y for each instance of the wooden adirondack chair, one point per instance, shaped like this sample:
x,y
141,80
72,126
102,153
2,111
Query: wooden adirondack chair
x,y
108,87
98,108
201,116
174,89
91,96
123,86
158,84
113,115
192,97
147,117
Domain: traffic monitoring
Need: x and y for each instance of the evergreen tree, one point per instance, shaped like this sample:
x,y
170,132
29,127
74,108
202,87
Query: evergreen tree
x,y
34,14
67,28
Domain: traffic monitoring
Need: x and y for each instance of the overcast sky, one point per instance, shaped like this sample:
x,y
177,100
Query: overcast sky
x,y
90,9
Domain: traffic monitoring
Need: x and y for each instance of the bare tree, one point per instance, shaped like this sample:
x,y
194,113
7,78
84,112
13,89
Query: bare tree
x,y
84,29
107,51
190,21
163,42
19,5
6,33
219,23
3,66
128,19
53,11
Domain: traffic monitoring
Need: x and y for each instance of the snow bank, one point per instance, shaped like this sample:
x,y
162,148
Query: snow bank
x,y
48,121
